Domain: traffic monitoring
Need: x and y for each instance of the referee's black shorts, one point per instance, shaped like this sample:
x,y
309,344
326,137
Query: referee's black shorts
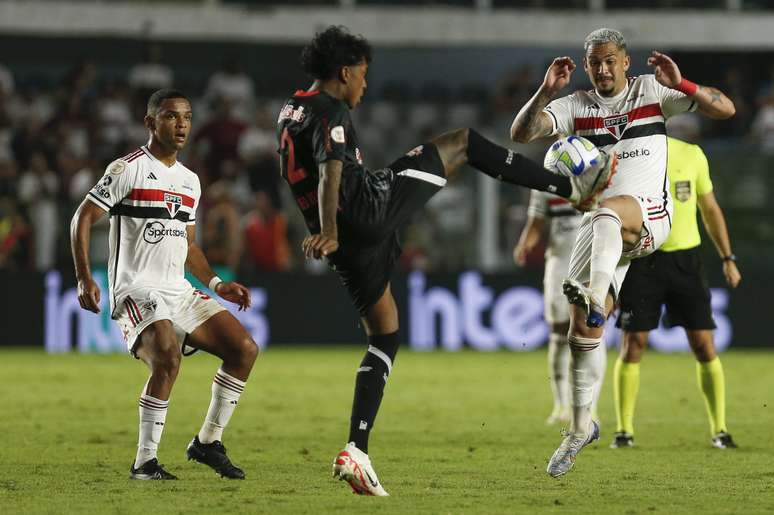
x,y
374,205
672,279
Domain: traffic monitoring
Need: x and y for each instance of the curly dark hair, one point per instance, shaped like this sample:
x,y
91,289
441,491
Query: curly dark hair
x,y
331,49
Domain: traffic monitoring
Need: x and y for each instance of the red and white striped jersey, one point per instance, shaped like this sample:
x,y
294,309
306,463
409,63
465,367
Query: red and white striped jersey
x,y
563,218
150,205
632,124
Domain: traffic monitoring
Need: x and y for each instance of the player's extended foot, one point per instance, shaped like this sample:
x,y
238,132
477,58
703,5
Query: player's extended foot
x,y
622,440
560,415
354,466
214,456
723,440
564,456
149,470
588,186
583,297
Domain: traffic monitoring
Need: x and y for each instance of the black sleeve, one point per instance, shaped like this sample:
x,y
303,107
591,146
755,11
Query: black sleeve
x,y
329,138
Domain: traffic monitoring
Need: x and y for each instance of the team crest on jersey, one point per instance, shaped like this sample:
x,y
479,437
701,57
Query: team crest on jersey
x,y
683,190
173,203
616,125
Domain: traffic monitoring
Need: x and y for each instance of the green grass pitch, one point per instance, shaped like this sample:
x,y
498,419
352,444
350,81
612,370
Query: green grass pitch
x,y
458,433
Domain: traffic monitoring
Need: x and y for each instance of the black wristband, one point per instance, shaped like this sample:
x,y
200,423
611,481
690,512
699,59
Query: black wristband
x,y
730,257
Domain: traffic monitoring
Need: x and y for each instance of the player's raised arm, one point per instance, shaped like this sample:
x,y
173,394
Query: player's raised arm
x,y
197,264
531,122
327,242
712,102
80,236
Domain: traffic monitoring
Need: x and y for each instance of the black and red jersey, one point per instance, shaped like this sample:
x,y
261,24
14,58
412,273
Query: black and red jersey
x,y
312,128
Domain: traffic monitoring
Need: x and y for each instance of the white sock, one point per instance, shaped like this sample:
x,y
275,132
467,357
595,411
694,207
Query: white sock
x,y
586,374
226,390
559,369
153,413
606,249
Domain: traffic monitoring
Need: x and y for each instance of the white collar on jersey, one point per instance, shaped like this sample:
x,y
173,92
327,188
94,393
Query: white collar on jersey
x,y
613,100
147,151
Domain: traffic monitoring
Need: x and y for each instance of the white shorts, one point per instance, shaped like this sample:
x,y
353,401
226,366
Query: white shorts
x,y
556,308
656,224
142,307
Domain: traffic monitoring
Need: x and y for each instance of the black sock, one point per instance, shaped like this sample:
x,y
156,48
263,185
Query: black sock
x,y
369,386
506,165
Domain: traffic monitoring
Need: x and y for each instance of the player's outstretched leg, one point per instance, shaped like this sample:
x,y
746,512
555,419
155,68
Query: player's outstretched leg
x,y
587,372
223,336
157,347
353,464
467,146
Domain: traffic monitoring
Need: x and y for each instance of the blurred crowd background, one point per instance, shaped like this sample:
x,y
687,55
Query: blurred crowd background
x,y
60,127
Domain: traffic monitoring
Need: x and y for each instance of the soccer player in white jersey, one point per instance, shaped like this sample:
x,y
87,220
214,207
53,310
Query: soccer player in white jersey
x,y
564,221
152,199
625,115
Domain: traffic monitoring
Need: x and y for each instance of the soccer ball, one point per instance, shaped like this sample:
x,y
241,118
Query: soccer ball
x,y
572,155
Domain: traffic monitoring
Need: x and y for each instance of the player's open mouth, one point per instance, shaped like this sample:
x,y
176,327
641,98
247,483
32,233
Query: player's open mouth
x,y
180,137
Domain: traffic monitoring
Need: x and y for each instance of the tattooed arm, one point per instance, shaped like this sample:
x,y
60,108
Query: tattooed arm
x,y
712,102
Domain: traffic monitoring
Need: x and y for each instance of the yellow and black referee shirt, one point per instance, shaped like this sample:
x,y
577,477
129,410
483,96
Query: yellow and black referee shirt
x,y
689,177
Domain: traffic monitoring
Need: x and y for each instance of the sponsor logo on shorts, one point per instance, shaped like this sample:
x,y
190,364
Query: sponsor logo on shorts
x,y
149,305
683,190
154,232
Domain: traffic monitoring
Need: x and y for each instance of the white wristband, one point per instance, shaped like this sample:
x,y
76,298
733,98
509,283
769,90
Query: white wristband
x,y
214,282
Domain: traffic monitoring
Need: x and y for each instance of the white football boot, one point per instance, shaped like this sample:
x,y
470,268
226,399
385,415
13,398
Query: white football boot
x,y
564,456
354,466
589,185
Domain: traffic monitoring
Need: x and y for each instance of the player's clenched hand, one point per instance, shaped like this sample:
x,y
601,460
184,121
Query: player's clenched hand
x,y
666,71
88,295
520,255
733,277
234,292
316,246
558,74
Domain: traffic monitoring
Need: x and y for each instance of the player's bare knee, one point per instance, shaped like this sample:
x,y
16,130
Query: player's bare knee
x,y
166,361
633,346
249,350
703,349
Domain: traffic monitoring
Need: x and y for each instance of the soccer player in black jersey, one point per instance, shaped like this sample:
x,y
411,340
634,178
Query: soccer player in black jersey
x,y
353,212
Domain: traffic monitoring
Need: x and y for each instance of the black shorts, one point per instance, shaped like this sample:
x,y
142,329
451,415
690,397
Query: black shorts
x,y
375,203
674,279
